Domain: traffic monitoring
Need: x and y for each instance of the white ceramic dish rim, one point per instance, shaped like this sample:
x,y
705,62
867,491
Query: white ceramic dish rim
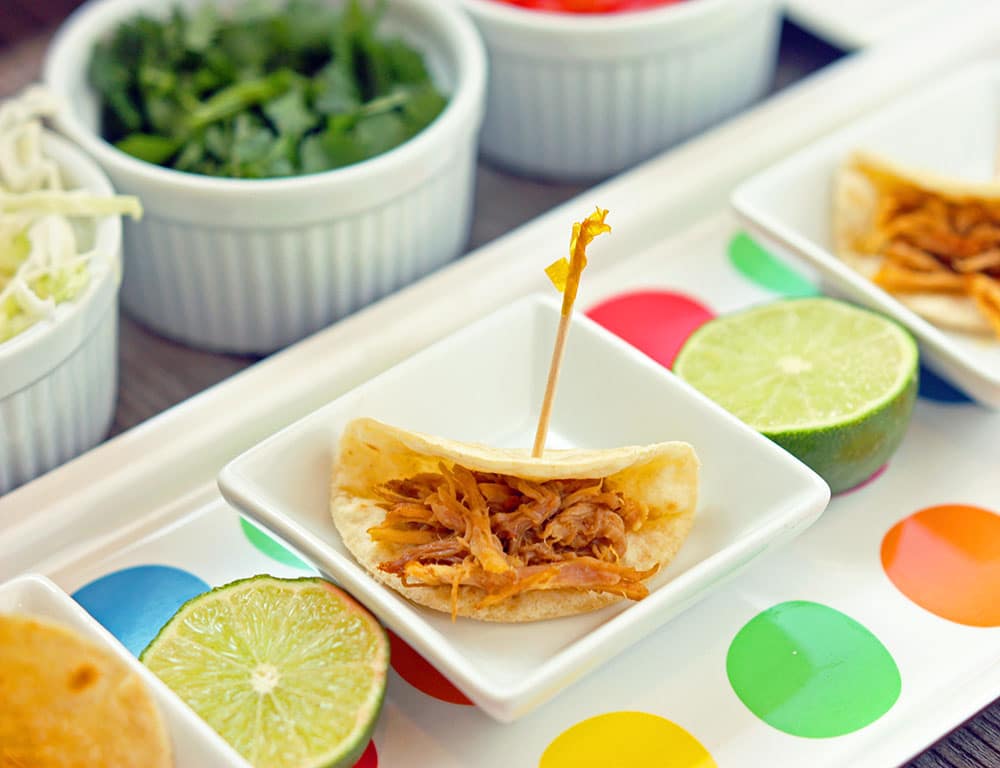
x,y
610,37
849,30
92,629
744,204
682,590
96,18
38,349
841,33
515,18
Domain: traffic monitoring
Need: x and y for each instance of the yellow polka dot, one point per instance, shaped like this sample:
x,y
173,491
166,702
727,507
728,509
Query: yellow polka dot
x,y
635,739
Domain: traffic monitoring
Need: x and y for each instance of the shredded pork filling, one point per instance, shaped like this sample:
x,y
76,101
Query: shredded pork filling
x,y
941,246
504,535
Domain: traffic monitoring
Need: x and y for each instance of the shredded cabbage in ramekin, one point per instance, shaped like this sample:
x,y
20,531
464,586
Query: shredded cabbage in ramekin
x,y
42,225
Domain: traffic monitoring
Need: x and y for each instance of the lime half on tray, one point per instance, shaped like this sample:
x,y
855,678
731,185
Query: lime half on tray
x,y
831,383
291,672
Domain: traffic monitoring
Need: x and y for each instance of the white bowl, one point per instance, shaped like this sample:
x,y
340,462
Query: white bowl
x,y
485,383
249,266
59,378
195,744
577,97
949,126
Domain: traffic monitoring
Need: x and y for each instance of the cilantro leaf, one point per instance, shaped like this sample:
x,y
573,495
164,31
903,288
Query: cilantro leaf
x,y
380,133
289,113
423,106
334,91
406,64
339,142
201,27
313,157
258,92
148,147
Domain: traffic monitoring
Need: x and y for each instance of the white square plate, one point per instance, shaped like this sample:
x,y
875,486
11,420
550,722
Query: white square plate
x,y
853,24
195,745
485,383
951,126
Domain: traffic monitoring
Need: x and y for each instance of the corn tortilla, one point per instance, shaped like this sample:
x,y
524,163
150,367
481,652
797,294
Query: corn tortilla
x,y
65,702
663,476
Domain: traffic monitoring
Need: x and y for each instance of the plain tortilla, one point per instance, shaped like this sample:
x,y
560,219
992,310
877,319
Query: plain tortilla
x,y
663,476
66,702
857,187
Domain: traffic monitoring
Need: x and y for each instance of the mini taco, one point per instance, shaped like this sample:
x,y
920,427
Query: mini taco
x,y
931,241
66,702
497,535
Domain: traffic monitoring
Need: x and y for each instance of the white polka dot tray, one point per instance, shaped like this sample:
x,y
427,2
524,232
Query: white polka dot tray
x,y
859,642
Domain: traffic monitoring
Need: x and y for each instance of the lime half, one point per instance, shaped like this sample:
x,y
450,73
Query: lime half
x,y
291,672
832,384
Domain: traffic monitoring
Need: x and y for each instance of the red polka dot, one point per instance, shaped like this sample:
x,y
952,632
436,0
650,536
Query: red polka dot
x,y
656,322
369,758
415,670
877,474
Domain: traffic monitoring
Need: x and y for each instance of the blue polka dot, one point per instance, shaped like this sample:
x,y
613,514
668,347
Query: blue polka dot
x,y
134,603
933,387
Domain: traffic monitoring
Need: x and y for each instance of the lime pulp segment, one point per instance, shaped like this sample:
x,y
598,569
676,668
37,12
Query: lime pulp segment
x,y
799,365
290,672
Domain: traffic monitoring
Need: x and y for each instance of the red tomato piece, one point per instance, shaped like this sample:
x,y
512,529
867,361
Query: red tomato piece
x,y
589,6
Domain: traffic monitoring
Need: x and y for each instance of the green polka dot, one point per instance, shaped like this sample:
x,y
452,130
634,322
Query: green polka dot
x,y
264,543
759,266
811,671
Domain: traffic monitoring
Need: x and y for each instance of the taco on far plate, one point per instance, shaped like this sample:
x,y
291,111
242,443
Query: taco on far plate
x,y
496,535
931,241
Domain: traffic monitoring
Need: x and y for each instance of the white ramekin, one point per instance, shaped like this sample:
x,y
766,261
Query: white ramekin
x,y
252,265
58,378
580,97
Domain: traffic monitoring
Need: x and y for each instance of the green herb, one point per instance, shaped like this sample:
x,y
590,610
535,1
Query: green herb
x,y
257,93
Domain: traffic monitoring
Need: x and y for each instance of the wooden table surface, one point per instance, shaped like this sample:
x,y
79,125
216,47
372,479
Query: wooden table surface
x,y
157,373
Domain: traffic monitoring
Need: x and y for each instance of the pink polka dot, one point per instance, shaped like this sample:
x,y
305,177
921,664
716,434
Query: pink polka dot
x,y
864,483
656,322
369,758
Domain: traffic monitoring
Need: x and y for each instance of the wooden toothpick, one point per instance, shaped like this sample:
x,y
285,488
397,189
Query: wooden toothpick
x,y
565,275
550,388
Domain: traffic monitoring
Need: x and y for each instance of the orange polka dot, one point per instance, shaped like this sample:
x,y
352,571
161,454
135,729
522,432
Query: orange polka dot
x,y
635,739
946,559
415,670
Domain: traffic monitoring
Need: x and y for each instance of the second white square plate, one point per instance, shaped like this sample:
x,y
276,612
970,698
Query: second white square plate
x,y
485,384
951,127
851,24
194,743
